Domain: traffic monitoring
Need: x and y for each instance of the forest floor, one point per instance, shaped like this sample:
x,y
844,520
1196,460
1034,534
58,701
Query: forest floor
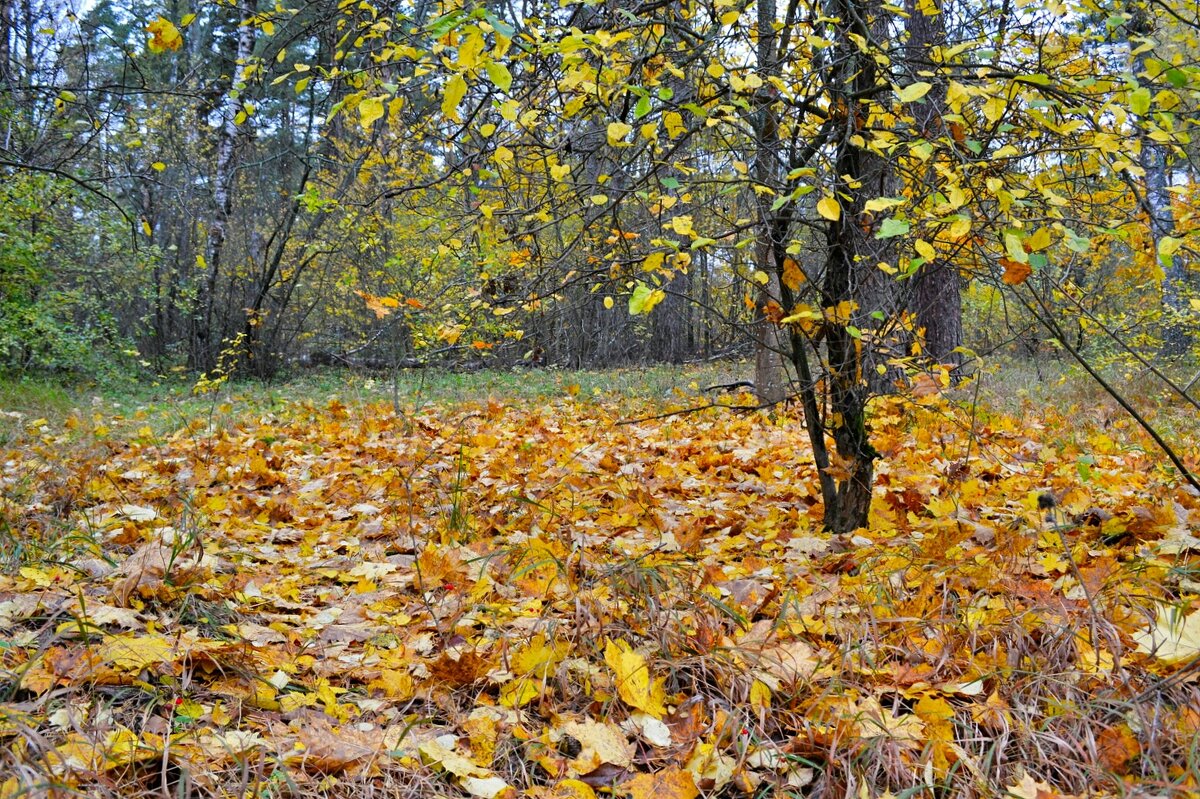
x,y
535,584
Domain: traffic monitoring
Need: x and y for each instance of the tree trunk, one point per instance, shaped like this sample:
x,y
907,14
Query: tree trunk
x,y
937,300
852,274
1156,202
770,374
205,342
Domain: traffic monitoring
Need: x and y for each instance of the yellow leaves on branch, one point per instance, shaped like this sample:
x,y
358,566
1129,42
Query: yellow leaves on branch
x,y
380,306
632,675
164,36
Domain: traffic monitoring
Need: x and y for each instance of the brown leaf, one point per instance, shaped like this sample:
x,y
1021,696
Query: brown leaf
x,y
331,751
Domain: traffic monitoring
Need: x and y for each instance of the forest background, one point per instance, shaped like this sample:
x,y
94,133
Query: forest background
x,y
875,203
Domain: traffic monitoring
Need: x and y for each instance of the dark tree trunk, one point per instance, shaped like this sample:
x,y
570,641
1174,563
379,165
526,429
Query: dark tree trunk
x,y
937,300
770,375
852,274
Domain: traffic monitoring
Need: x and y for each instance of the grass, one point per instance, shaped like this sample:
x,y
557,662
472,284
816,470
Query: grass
x,y
167,404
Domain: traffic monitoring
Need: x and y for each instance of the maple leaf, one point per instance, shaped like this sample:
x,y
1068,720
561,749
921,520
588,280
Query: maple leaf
x,y
633,679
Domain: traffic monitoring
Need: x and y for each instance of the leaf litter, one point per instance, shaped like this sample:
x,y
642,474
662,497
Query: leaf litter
x,y
521,600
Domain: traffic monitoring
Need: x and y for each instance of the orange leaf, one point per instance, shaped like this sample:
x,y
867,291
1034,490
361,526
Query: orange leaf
x,y
1015,272
793,276
670,784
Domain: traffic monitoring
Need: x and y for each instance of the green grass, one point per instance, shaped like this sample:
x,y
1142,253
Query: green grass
x,y
167,404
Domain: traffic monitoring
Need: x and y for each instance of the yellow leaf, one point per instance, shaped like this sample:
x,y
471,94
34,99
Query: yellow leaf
x,y
882,204
519,692
499,75
674,123
1168,246
760,695
1173,638
441,752
938,716
370,110
960,228
158,166
1040,239
456,89
135,653
682,225
617,131
709,765
828,207
163,36
633,679
470,50
395,684
539,657
608,302
913,91
925,249
571,789
994,108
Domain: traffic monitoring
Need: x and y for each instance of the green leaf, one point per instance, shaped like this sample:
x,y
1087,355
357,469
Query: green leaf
x,y
1084,467
1177,77
893,227
644,299
642,108
670,183
445,23
502,27
1075,242
499,75
1139,101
